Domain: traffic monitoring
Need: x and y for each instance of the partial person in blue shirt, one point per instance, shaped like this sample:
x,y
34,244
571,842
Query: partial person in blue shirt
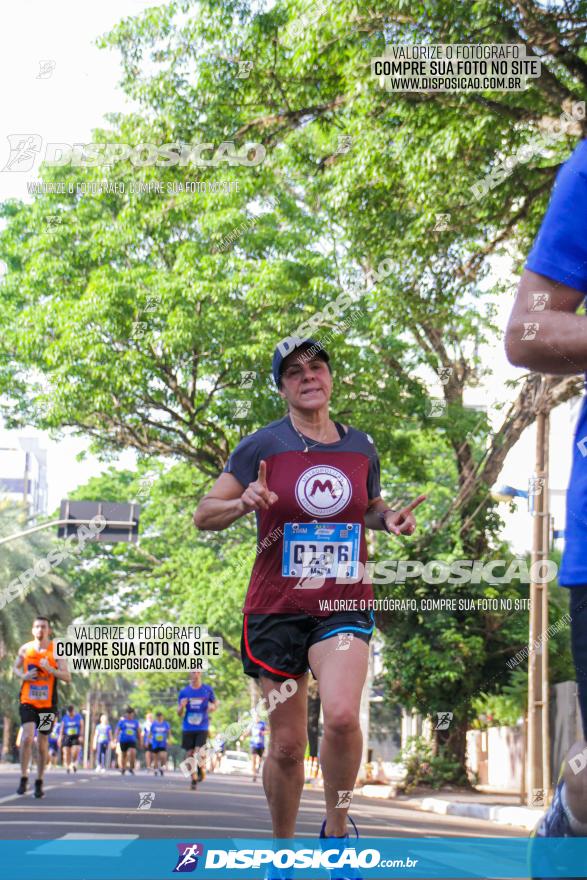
x,y
546,334
195,703
257,744
160,734
54,742
70,738
147,740
128,737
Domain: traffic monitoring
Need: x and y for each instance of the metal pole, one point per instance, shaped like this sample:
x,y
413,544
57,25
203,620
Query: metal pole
x,y
545,647
65,522
364,711
538,732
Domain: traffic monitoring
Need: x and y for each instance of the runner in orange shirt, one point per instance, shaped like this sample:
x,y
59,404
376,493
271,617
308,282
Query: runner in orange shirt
x,y
39,670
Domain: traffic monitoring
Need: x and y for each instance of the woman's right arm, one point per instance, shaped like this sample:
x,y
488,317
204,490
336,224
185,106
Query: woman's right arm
x,y
228,500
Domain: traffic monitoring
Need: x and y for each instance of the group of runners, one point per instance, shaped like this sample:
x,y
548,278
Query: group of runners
x,y
128,736
40,670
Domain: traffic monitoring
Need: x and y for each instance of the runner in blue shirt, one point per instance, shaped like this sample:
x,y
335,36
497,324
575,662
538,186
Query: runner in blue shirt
x,y
54,743
103,741
257,744
128,737
72,732
147,740
545,334
160,736
195,702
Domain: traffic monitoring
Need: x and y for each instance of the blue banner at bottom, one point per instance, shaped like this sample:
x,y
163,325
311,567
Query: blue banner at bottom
x,y
300,859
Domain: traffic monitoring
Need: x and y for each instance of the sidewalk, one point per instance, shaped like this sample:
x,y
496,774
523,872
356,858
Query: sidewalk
x,y
504,809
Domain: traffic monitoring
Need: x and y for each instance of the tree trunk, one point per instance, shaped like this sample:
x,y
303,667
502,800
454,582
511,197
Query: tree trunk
x,y
454,741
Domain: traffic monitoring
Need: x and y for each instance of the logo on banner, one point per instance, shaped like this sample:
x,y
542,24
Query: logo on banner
x,y
323,491
188,857
46,720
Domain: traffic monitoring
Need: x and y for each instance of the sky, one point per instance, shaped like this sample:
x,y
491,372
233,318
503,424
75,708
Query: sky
x,y
67,104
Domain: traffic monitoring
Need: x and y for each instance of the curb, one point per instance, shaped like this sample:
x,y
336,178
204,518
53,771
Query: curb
x,y
522,817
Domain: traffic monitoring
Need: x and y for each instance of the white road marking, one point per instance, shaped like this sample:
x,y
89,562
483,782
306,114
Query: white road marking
x,y
226,832
29,794
57,847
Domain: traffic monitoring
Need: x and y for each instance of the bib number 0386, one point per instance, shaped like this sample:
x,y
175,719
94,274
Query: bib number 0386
x,y
329,550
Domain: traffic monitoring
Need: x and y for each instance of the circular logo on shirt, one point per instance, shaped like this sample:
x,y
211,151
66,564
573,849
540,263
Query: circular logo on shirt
x,y
323,491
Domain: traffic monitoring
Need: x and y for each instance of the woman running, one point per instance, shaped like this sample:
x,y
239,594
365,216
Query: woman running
x,y
314,486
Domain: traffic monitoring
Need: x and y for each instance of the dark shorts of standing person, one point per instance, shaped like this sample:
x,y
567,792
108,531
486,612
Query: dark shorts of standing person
x,y
31,713
129,744
578,612
257,750
69,741
276,645
193,739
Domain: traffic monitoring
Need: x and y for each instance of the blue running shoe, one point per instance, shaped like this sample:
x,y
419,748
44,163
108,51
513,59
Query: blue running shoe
x,y
346,872
554,824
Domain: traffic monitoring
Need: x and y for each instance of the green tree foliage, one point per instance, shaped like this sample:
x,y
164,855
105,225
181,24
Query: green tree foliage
x,y
49,595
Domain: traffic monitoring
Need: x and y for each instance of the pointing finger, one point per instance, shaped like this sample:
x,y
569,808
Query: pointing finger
x,y
413,504
262,476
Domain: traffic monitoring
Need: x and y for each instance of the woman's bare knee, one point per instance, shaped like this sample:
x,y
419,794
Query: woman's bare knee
x,y
287,749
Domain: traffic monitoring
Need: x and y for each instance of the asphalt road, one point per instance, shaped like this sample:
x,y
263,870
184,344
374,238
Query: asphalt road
x,y
87,804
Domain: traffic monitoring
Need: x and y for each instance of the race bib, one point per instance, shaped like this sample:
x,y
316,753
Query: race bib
x,y
194,718
158,737
39,691
316,549
71,731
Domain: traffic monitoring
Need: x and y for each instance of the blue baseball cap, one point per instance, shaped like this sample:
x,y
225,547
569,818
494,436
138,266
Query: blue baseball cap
x,y
287,347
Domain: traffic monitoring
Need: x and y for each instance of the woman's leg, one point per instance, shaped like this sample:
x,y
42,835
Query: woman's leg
x,y
341,676
283,771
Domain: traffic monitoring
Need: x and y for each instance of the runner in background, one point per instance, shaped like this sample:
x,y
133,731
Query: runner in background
x,y
218,752
103,743
160,737
147,745
54,743
39,670
128,737
257,744
71,733
195,702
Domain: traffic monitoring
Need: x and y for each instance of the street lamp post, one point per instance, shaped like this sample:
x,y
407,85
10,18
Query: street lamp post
x,y
538,690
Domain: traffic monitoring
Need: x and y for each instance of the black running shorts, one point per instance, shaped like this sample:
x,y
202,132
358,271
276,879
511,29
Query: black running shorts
x,y
31,713
277,645
193,739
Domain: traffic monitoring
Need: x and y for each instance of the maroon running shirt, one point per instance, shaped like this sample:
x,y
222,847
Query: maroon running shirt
x,y
331,483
